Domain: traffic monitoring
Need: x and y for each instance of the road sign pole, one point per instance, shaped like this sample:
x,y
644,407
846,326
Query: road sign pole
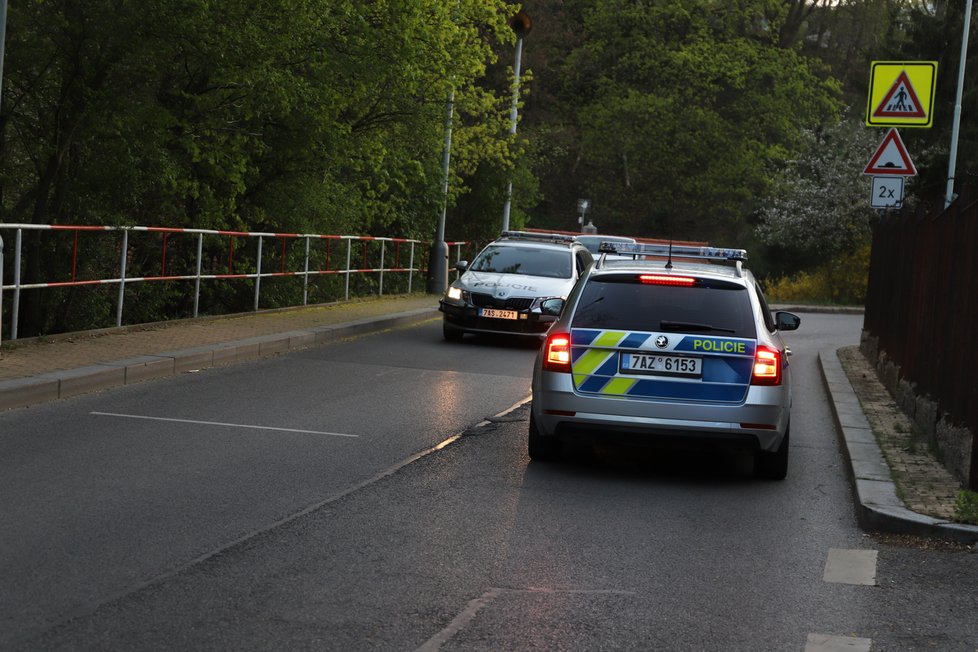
x,y
952,160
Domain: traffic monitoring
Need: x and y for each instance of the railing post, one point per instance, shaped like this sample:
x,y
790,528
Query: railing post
x,y
15,308
349,254
1,289
258,275
200,261
122,277
411,267
383,249
305,277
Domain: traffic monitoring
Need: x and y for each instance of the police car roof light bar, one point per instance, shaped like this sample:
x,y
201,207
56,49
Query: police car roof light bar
x,y
672,251
539,237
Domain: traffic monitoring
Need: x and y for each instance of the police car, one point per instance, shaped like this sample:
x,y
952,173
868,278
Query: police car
x,y
676,347
502,290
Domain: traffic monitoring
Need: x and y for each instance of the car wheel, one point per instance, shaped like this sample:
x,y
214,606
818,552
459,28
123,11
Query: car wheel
x,y
541,448
451,333
773,466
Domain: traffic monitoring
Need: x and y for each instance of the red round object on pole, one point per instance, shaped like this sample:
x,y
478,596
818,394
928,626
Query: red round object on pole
x,y
521,23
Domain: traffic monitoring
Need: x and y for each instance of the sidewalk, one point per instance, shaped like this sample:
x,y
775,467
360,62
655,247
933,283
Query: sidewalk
x,y
45,369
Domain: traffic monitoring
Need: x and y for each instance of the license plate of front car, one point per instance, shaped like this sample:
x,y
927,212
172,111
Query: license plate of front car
x,y
669,365
493,313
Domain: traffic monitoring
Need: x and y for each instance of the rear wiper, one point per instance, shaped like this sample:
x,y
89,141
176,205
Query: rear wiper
x,y
691,326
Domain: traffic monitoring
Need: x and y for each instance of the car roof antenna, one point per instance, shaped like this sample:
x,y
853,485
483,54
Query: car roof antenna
x,y
669,262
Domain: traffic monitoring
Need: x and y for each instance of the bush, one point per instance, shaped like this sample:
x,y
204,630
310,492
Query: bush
x,y
841,281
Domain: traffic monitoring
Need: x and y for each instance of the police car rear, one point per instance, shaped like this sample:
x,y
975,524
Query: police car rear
x,y
673,349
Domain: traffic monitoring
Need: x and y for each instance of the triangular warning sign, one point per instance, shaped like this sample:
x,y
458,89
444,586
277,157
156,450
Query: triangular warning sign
x,y
891,158
900,101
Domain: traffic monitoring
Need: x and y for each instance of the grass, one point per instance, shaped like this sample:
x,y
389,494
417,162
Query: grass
x,y
966,507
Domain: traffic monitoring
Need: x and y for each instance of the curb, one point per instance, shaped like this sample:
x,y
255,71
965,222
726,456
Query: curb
x,y
22,392
878,507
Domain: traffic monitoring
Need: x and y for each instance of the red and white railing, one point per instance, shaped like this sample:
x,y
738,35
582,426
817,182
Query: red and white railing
x,y
325,262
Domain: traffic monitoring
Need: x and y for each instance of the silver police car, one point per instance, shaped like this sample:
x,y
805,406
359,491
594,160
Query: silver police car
x,y
502,290
677,347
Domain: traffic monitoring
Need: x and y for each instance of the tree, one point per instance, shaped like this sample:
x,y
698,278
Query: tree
x,y
282,115
933,32
820,208
673,112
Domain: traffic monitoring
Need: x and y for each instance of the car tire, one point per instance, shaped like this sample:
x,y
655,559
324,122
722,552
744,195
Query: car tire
x,y
540,447
773,466
451,333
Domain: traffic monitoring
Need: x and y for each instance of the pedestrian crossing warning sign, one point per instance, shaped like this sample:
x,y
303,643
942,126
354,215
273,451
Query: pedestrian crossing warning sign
x,y
901,93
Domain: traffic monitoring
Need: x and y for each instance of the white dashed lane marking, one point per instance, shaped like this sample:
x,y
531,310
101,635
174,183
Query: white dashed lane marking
x,y
828,643
459,623
221,424
851,567
845,567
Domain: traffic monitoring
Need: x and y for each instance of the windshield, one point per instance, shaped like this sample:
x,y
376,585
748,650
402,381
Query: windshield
x,y
532,261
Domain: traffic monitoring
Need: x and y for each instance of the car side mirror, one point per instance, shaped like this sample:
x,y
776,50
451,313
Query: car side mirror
x,y
461,265
552,307
787,321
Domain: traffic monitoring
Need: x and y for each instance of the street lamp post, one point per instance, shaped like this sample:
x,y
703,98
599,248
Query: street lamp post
x,y
582,206
956,124
438,256
521,24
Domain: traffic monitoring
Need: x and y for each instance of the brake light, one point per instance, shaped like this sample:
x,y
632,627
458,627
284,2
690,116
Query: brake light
x,y
767,367
667,279
556,353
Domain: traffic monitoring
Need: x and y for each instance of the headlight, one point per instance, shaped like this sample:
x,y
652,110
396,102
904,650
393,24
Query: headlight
x,y
454,293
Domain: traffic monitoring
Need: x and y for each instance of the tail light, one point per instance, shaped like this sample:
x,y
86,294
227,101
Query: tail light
x,y
556,353
767,367
667,279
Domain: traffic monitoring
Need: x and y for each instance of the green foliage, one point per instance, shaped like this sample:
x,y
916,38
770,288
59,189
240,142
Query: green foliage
x,y
321,116
820,207
285,114
672,113
841,281
933,32
966,507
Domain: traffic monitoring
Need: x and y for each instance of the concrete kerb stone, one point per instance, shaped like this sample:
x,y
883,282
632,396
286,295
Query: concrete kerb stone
x,y
20,392
23,392
90,379
144,367
878,506
326,334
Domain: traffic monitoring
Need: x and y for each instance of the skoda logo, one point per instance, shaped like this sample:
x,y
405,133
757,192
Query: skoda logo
x,y
662,341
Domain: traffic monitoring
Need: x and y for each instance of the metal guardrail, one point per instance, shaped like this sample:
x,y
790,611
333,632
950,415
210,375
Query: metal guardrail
x,y
388,264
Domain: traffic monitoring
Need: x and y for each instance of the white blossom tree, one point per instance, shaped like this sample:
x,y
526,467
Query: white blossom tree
x,y
821,206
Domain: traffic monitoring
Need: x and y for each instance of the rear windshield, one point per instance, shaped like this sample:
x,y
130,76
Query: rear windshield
x,y
716,307
554,263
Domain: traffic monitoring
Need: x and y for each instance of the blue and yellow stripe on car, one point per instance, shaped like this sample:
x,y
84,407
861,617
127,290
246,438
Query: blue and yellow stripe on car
x,y
726,367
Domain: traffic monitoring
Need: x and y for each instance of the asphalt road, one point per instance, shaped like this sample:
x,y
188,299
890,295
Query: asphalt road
x,y
347,527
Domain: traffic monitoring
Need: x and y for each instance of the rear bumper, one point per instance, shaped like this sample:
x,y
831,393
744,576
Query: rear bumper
x,y
758,423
